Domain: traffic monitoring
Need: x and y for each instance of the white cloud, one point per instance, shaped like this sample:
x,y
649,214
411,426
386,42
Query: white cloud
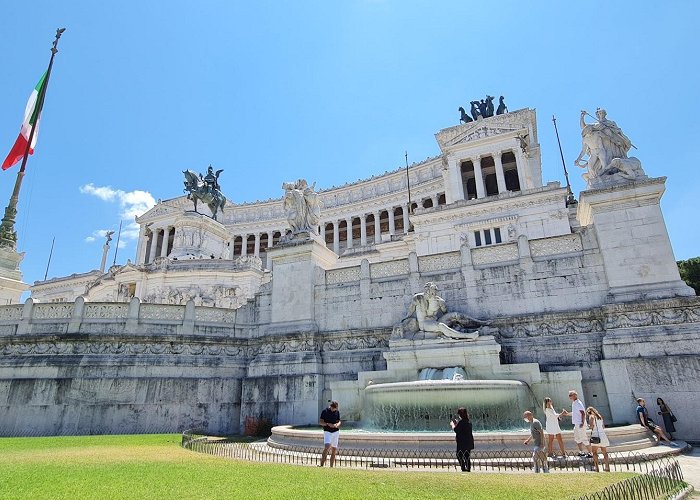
x,y
131,203
97,234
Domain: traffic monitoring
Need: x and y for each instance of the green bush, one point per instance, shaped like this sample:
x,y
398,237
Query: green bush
x,y
690,272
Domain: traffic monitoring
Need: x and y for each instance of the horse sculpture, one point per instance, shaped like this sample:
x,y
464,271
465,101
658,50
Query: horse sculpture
x,y
465,118
197,189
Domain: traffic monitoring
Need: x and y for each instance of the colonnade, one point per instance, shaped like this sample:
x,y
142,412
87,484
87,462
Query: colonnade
x,y
487,174
157,242
366,228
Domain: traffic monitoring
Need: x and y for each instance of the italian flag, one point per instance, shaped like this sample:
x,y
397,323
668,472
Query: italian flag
x,y
31,119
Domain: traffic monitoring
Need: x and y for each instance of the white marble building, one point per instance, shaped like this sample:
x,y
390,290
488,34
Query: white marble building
x,y
589,293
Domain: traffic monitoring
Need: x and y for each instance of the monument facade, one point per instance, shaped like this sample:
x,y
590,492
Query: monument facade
x,y
277,306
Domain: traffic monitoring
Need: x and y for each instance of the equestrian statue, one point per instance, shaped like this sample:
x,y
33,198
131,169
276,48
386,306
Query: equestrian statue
x,y
205,189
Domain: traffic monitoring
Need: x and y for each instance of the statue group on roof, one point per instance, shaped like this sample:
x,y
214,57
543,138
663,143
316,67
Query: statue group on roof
x,y
482,109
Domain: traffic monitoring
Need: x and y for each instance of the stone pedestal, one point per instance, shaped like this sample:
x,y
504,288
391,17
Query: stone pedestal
x,y
295,267
199,237
633,240
289,384
11,286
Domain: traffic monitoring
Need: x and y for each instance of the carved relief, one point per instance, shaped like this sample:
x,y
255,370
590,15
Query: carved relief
x,y
430,263
386,269
567,243
344,275
52,311
104,311
161,312
10,313
494,254
553,327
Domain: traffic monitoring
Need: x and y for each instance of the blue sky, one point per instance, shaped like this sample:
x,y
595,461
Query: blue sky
x,y
331,91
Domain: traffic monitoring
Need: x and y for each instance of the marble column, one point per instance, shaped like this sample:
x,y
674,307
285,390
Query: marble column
x,y
377,228
154,244
164,244
270,236
500,178
336,236
392,225
363,230
256,250
520,167
348,232
244,245
478,178
455,186
434,200
406,221
142,245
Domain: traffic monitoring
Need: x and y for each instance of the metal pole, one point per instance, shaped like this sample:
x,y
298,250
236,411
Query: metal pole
x,y
116,247
8,235
570,200
49,261
408,184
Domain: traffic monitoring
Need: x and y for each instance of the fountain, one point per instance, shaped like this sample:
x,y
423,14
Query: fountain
x,y
427,405
433,367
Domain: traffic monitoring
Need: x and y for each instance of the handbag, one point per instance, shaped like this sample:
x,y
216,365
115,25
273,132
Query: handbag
x,y
673,418
595,439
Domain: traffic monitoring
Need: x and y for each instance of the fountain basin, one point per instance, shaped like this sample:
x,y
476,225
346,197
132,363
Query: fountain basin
x,y
429,405
286,437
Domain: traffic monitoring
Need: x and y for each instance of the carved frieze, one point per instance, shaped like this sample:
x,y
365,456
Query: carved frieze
x,y
655,317
551,327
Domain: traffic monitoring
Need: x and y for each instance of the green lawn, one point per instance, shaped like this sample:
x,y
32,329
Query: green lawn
x,y
154,466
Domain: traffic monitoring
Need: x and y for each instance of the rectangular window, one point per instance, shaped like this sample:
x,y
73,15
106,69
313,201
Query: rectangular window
x,y
477,238
497,234
487,236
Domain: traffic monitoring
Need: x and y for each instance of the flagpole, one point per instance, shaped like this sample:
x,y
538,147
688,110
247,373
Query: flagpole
x,y
8,235
116,247
49,262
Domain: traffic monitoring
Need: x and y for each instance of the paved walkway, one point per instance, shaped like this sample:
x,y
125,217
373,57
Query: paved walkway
x,y
690,463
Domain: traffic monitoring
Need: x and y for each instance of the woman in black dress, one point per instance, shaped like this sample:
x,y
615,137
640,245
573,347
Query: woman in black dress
x,y
668,417
464,437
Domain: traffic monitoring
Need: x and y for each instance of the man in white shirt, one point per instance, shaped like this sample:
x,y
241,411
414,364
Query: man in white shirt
x,y
578,418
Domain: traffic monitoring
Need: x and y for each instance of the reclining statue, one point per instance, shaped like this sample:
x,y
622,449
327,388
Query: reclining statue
x,y
432,319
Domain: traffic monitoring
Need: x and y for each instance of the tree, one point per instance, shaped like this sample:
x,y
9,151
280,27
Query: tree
x,y
690,272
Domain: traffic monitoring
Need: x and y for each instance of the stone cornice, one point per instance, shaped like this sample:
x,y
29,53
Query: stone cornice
x,y
492,206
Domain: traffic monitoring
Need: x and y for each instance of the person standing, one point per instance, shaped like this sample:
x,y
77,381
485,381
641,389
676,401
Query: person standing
x,y
539,458
464,437
330,421
578,418
668,416
552,428
645,421
598,437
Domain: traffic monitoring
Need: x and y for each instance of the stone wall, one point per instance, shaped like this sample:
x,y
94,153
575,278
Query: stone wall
x,y
93,368
77,368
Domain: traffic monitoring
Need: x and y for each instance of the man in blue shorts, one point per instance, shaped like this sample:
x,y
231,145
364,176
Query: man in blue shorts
x,y
330,421
645,421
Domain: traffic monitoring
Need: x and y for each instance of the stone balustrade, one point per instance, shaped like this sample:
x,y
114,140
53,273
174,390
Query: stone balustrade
x,y
135,317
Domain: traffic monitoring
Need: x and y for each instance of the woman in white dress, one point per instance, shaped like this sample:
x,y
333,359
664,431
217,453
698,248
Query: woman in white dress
x,y
552,427
598,437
